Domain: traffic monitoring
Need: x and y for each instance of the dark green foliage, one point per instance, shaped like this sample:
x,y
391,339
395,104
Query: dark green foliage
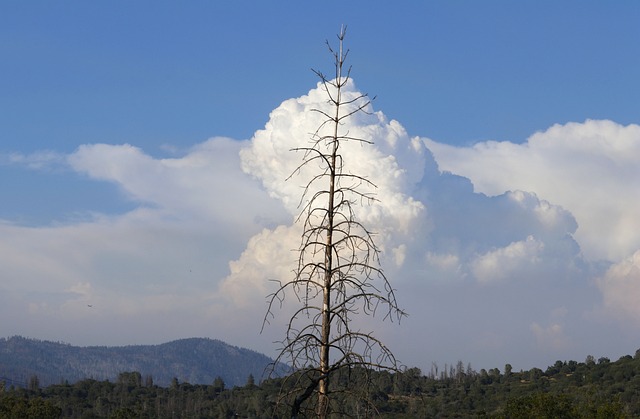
x,y
19,406
563,390
541,406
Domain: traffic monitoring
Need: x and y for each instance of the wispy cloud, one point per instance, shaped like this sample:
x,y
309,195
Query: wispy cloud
x,y
40,160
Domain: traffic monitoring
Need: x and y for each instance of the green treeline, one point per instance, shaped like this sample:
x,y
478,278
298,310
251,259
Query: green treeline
x,y
590,389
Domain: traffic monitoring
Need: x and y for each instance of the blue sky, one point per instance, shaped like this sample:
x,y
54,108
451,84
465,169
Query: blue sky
x,y
163,73
108,111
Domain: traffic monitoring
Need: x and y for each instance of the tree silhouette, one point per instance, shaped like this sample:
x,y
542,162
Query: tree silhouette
x,y
338,275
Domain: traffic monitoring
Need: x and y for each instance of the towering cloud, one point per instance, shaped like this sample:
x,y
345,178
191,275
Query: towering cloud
x,y
434,229
496,250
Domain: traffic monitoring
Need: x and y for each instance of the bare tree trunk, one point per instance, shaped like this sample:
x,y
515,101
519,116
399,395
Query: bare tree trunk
x,y
323,385
338,274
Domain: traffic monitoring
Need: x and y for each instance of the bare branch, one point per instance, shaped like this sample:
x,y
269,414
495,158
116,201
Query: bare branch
x,y
338,276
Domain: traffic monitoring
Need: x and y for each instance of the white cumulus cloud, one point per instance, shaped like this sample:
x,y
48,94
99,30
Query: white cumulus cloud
x,y
590,169
620,288
435,231
517,258
479,242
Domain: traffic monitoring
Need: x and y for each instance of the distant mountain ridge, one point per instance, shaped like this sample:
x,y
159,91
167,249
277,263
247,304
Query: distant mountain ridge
x,y
192,360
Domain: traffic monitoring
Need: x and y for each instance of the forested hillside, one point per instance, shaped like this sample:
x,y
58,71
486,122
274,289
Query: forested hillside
x,y
195,360
589,389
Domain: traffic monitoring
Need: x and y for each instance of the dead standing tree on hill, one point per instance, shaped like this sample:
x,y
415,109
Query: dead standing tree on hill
x,y
338,275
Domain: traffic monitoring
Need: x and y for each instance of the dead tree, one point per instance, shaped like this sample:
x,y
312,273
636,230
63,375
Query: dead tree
x,y
338,276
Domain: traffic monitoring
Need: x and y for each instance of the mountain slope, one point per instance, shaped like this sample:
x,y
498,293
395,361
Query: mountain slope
x,y
193,360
